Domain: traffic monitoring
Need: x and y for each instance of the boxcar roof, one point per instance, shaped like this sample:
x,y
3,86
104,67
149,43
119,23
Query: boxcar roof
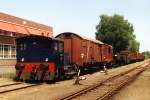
x,y
108,45
83,37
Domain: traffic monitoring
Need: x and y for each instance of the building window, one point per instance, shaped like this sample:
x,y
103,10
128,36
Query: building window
x,y
7,51
13,52
1,51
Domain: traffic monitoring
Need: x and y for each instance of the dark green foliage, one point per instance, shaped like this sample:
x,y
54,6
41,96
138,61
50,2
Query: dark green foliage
x,y
118,32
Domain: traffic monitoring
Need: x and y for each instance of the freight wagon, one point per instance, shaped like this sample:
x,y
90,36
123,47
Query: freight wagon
x,y
126,57
85,52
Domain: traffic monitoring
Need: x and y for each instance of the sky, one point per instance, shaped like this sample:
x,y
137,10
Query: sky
x,y
82,16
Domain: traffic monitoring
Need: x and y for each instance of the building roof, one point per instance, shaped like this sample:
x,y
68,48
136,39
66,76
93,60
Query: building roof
x,y
30,26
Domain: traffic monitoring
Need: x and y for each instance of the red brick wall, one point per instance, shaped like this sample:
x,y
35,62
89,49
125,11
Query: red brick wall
x,y
8,62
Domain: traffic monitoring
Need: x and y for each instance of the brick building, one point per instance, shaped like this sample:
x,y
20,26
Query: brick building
x,y
12,27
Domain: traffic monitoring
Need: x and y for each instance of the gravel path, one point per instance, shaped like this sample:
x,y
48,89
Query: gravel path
x,y
138,90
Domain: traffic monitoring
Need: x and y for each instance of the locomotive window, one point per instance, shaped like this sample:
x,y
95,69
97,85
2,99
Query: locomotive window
x,y
22,46
55,46
34,43
60,47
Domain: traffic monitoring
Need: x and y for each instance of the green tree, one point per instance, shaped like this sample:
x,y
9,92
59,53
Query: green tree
x,y
116,31
146,54
134,45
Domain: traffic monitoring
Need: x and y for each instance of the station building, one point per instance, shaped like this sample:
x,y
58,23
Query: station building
x,y
12,27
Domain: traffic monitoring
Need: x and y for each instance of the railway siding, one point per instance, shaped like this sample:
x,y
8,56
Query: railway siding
x,y
137,90
105,89
16,86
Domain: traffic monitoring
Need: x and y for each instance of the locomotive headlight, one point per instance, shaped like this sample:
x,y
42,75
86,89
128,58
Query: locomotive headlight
x,y
22,59
46,59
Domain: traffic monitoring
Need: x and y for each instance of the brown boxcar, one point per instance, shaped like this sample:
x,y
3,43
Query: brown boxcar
x,y
126,57
84,51
135,56
123,57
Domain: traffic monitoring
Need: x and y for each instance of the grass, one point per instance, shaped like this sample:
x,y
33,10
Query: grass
x,y
7,72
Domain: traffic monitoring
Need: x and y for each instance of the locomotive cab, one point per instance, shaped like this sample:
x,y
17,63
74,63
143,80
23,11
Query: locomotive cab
x,y
39,58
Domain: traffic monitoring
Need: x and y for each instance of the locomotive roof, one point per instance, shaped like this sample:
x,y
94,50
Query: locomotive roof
x,y
83,37
39,37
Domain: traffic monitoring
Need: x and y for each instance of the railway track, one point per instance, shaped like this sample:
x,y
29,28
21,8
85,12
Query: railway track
x,y
6,88
15,86
10,84
106,88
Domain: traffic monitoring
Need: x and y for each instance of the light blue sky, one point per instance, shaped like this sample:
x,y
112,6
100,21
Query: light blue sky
x,y
81,16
